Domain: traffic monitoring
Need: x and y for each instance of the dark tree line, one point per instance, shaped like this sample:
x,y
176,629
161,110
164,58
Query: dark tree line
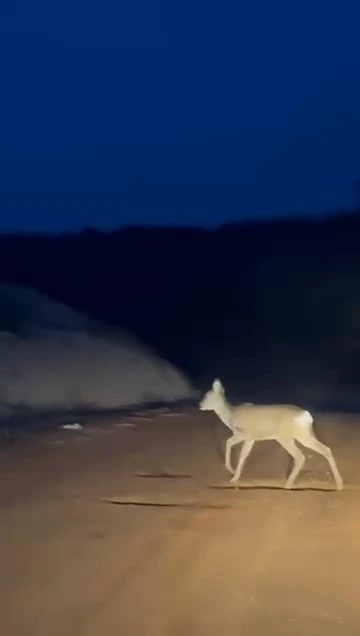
x,y
273,308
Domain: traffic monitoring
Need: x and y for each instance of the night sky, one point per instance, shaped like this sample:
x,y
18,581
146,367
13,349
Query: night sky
x,y
200,112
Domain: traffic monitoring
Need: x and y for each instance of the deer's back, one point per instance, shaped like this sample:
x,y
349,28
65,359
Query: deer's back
x,y
267,421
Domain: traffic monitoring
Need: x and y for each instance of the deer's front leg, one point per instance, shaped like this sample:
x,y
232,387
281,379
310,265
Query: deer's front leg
x,y
236,438
244,453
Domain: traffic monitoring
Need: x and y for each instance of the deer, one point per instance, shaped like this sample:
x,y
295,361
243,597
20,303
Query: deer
x,y
250,423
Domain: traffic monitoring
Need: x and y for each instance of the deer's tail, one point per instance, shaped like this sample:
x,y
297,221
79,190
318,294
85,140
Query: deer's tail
x,y
305,419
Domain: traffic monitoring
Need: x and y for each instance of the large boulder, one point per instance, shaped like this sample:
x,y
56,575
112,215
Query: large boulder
x,y
52,357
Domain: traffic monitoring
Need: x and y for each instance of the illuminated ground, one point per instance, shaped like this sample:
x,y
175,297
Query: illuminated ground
x,y
253,561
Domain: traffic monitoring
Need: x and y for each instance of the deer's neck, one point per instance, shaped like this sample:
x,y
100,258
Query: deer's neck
x,y
224,412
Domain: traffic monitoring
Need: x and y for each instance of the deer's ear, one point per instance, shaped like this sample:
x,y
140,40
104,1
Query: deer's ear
x,y
218,387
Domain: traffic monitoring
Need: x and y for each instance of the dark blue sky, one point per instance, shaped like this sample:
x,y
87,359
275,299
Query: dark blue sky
x,y
157,112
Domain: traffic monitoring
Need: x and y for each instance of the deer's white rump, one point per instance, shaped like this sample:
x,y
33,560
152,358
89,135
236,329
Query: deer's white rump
x,y
250,423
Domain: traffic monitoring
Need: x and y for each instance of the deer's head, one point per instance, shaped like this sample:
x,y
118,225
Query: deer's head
x,y
212,398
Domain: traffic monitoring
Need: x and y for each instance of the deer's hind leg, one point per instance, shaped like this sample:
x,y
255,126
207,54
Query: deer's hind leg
x,y
310,441
290,446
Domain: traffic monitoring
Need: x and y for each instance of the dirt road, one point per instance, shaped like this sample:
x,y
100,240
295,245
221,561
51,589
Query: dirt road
x,y
251,561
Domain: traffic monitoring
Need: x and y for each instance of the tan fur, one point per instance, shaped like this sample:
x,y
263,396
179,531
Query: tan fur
x,y
251,423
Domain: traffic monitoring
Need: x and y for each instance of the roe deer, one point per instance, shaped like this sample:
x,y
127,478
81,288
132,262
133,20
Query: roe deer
x,y
250,423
